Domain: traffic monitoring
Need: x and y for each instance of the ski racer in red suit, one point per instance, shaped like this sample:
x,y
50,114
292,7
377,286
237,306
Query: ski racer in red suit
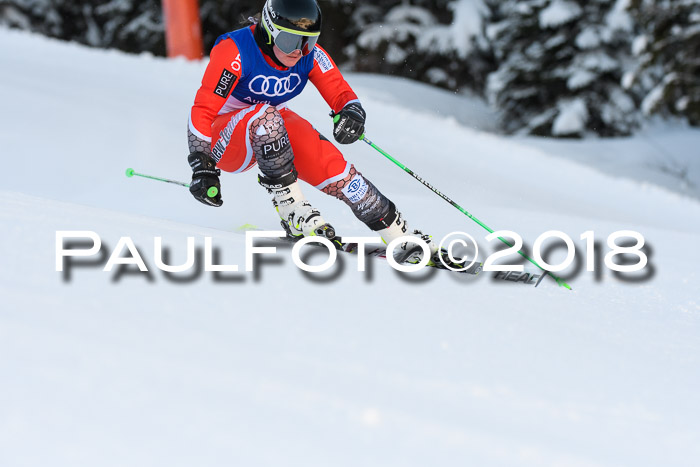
x,y
240,119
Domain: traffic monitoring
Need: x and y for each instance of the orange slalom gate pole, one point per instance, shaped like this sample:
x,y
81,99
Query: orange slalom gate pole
x,y
183,28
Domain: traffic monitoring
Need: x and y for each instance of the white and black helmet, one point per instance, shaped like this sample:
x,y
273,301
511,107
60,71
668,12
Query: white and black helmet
x,y
292,24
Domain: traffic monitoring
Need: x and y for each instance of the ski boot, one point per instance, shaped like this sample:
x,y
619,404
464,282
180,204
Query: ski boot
x,y
298,218
409,252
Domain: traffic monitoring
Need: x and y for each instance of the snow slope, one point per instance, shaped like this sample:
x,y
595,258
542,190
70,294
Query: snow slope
x,y
282,368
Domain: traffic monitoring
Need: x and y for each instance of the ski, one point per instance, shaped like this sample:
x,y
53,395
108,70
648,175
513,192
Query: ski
x,y
380,252
528,276
373,251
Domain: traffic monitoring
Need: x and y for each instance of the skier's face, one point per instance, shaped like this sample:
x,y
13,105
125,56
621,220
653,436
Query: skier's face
x,y
288,60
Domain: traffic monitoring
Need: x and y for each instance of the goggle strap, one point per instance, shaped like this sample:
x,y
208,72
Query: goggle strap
x,y
269,33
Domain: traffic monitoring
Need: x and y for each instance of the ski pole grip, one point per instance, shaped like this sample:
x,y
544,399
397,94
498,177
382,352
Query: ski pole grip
x,y
212,192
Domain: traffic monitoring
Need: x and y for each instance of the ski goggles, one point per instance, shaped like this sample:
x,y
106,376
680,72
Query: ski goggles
x,y
289,40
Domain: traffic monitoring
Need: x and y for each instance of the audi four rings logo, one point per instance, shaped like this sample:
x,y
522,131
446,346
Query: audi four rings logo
x,y
271,86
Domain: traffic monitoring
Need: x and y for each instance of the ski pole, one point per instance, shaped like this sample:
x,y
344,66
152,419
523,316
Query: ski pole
x,y
212,192
460,208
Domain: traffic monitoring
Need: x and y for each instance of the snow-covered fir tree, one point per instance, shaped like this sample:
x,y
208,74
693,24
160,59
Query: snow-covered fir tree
x,y
560,66
438,42
221,16
668,75
130,25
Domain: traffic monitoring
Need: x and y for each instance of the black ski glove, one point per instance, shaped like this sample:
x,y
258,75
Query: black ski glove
x,y
205,179
349,123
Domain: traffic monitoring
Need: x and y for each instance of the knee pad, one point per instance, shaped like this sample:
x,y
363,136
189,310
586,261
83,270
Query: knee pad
x,y
271,145
367,203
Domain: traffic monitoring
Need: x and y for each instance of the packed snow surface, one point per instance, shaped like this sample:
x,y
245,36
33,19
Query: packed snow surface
x,y
282,368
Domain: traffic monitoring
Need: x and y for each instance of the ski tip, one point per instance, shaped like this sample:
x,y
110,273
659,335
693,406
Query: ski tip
x,y
246,227
129,172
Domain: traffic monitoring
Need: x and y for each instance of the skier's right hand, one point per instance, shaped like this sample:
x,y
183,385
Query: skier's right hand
x,y
205,186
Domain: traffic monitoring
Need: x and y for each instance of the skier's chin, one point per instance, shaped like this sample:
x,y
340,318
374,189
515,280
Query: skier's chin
x,y
287,60
290,62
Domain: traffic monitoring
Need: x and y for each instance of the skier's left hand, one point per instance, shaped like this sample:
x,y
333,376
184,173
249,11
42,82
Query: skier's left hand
x,y
349,123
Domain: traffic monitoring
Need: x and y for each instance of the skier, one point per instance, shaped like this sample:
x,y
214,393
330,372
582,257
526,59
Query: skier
x,y
240,118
